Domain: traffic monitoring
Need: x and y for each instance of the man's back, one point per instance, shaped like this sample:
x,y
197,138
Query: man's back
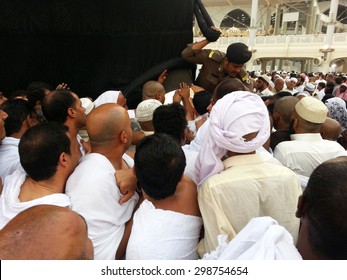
x,y
247,188
95,195
305,152
167,224
163,234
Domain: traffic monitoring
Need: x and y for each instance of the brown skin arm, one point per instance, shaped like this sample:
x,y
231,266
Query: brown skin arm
x,y
185,94
162,77
128,226
126,182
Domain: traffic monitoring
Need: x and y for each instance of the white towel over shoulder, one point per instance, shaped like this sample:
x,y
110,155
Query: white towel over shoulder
x,y
261,239
163,235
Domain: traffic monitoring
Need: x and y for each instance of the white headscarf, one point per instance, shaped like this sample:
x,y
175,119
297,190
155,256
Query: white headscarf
x,y
234,116
110,96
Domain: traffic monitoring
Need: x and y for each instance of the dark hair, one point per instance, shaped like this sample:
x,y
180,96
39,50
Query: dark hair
x,y
329,87
227,86
326,208
40,148
201,100
326,97
338,80
55,105
36,92
321,84
17,110
170,119
159,165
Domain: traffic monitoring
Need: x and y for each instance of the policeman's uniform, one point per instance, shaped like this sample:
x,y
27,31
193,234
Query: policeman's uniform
x,y
211,72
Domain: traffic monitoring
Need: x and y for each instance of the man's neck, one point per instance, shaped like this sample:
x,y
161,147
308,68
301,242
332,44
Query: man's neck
x,y
115,155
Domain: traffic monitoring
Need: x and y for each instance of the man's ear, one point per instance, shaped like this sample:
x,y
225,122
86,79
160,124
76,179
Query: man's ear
x,y
301,207
71,112
276,117
225,61
30,121
295,124
124,137
63,159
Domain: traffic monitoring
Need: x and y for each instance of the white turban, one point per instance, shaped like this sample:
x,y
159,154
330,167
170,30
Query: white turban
x,y
234,116
110,96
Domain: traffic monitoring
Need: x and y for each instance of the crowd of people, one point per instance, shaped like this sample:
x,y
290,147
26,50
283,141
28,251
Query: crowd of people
x,y
240,165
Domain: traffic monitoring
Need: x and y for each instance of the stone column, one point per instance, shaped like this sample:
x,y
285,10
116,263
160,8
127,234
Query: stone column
x,y
277,20
330,34
310,18
253,27
280,64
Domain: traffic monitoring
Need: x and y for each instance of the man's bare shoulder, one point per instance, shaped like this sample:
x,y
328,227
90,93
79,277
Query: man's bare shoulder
x,y
186,195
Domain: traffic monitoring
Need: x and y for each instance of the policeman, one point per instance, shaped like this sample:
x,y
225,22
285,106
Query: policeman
x,y
217,65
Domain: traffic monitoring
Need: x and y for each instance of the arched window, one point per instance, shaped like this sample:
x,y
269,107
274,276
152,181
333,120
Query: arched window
x,y
236,18
341,14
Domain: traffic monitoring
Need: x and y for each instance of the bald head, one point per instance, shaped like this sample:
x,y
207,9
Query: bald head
x,y
279,84
330,129
105,124
46,232
282,111
153,90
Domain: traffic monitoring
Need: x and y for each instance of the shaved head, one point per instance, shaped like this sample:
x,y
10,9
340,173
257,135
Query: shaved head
x,y
105,124
330,129
153,90
46,232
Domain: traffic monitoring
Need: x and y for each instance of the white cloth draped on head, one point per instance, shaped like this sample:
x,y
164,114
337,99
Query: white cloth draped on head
x,y
234,116
110,96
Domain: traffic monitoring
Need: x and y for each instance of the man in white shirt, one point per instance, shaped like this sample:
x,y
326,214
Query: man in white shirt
x,y
21,116
237,183
307,149
262,85
167,224
93,188
48,158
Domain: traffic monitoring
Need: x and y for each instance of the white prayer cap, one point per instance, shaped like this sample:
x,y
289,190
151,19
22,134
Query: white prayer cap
x,y
266,78
144,111
310,87
87,104
232,117
293,79
312,110
110,96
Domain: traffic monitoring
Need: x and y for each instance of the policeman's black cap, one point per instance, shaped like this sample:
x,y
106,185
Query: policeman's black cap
x,y
238,53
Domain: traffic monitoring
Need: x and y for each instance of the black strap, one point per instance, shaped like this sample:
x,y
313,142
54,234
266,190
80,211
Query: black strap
x,y
205,22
